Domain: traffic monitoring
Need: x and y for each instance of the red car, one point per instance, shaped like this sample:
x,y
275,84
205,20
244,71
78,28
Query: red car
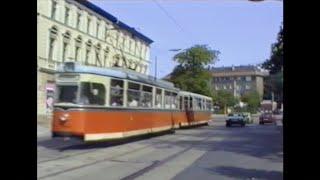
x,y
266,118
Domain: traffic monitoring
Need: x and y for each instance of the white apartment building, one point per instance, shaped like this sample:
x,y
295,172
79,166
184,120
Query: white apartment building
x,y
77,30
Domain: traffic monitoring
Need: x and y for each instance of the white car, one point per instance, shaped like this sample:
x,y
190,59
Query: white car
x,y
235,119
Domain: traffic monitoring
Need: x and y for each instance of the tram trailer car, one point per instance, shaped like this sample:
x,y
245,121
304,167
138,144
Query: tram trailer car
x,y
103,104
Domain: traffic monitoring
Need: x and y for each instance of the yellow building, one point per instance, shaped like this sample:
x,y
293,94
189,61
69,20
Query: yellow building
x,y
75,30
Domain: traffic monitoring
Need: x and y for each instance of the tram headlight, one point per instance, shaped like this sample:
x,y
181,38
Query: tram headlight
x,y
64,117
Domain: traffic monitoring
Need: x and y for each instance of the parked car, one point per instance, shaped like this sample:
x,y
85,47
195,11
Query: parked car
x,y
235,119
266,118
247,117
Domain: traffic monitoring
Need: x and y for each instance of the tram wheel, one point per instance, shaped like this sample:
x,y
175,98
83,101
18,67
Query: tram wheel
x,y
172,131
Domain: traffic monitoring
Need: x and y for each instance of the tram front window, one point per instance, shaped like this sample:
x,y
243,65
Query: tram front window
x,y
67,94
92,93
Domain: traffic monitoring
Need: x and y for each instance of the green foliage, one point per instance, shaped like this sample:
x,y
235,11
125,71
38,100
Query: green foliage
x,y
275,63
191,73
253,101
274,83
224,98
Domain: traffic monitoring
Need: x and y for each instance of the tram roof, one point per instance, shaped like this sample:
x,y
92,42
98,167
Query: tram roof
x,y
186,93
72,67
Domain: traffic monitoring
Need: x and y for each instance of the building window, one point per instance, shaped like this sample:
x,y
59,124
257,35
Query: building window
x,y
248,78
247,87
64,49
141,51
123,42
77,53
98,27
105,58
88,48
78,46
88,25
66,41
116,93
52,41
106,33
97,51
67,15
78,20
87,57
130,45
51,48
54,9
224,87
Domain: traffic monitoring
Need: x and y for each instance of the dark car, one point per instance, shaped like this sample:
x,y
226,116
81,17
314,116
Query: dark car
x,y
235,119
266,118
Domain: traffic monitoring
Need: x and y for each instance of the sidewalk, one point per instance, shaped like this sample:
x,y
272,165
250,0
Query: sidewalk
x,y
43,126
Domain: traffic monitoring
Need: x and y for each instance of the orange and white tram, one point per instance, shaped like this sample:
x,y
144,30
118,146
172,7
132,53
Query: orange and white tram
x,y
102,104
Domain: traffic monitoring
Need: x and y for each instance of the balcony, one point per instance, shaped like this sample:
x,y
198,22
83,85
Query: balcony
x,y
47,65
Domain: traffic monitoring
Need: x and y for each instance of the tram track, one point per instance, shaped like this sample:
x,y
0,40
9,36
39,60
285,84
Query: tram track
x,y
133,175
98,147
163,161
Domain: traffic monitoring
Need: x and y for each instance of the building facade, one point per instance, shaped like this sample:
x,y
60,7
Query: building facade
x,y
239,80
77,30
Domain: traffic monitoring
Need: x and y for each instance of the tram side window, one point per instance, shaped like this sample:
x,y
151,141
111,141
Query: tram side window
x,y
186,102
203,102
133,94
167,99
158,98
92,93
209,105
198,103
116,93
175,101
191,103
181,103
146,96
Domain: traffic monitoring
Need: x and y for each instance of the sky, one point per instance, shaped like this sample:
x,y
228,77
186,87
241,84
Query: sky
x,y
242,31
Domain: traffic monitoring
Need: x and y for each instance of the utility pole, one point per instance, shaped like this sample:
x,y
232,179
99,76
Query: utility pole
x,y
155,68
272,100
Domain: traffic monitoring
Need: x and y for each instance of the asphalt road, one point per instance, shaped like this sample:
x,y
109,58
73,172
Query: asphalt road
x,y
208,152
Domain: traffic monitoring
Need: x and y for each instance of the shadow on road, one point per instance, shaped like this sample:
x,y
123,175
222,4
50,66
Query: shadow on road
x,y
257,141
77,144
242,173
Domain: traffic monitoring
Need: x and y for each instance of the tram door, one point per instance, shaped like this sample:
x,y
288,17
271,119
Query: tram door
x,y
189,109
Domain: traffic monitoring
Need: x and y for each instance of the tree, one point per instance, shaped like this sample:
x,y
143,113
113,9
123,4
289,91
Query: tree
x,y
274,83
224,99
275,63
191,73
253,101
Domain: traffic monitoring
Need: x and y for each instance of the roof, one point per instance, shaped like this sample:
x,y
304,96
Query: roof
x,y
186,93
114,20
72,67
236,68
239,71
